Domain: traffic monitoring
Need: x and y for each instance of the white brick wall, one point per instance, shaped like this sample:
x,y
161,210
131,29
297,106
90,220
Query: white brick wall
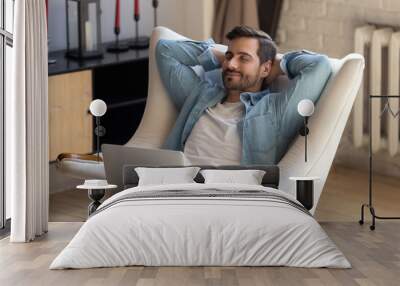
x,y
327,26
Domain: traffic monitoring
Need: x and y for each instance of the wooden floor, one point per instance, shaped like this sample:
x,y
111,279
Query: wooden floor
x,y
374,255
346,189
375,258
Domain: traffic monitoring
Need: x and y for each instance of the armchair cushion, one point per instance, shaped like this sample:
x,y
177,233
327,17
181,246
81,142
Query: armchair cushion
x,y
81,168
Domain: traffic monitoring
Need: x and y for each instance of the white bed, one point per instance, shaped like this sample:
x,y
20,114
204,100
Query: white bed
x,y
185,230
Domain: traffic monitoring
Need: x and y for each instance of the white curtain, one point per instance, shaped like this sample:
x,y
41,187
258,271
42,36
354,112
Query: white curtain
x,y
27,124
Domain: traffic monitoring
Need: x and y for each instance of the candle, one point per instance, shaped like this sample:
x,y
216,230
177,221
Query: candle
x,y
117,17
88,35
47,13
136,11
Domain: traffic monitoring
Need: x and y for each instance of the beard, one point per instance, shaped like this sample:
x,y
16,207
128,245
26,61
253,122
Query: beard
x,y
239,81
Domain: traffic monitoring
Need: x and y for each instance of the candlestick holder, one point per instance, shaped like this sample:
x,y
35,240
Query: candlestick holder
x,y
139,42
155,6
117,46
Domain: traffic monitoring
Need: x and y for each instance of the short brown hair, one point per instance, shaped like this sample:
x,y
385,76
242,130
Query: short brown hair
x,y
266,46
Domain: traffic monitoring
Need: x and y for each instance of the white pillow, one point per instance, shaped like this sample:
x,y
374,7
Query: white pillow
x,y
248,177
163,176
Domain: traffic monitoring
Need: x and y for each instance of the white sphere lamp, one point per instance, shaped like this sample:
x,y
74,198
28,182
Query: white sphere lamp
x,y
98,107
305,108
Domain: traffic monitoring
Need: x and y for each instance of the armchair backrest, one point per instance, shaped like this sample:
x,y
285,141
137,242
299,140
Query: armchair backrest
x,y
160,113
326,125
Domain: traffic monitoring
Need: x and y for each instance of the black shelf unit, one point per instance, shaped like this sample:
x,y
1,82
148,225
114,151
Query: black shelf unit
x,y
64,65
121,80
124,89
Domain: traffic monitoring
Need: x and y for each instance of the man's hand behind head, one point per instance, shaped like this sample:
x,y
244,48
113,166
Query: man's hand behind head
x,y
219,55
276,71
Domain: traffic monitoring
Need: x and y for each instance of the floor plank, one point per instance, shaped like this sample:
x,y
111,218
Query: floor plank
x,y
375,258
346,189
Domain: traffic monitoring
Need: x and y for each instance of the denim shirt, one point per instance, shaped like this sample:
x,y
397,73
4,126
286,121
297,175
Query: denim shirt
x,y
271,119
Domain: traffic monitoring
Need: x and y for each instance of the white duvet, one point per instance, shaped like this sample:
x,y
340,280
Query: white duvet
x,y
200,231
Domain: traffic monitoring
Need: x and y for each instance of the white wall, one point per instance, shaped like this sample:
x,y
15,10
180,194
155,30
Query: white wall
x,y
192,18
327,26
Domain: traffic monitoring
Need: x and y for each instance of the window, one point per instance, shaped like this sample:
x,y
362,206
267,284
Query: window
x,y
6,43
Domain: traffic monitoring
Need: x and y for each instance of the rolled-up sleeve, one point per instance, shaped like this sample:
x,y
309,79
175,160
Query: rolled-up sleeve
x,y
208,60
175,60
309,74
293,63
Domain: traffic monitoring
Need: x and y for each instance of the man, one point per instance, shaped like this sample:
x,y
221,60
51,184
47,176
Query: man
x,y
244,121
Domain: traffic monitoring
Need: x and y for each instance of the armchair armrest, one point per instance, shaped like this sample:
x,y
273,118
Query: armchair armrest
x,y
81,166
86,157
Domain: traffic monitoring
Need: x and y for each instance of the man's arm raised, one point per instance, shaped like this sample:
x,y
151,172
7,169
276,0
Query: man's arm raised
x,y
309,73
175,59
276,70
219,55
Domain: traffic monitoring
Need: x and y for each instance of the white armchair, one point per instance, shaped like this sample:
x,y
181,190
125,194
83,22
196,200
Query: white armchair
x,y
326,125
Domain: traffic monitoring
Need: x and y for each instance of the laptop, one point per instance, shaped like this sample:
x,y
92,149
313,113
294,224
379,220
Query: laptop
x,y
116,156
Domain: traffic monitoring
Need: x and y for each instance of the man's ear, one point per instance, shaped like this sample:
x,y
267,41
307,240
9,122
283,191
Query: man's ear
x,y
266,68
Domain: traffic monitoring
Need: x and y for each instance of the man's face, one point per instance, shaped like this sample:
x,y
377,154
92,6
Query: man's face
x,y
241,69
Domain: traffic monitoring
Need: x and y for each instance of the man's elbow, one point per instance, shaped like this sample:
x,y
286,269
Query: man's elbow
x,y
323,67
162,48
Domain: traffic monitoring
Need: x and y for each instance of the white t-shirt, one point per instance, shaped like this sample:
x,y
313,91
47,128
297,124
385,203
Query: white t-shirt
x,y
215,137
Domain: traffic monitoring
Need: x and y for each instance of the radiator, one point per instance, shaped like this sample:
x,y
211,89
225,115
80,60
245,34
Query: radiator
x,y
381,49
